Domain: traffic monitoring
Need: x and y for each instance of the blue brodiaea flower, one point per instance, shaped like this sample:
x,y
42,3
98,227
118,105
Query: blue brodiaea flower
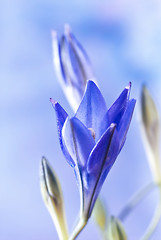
x,y
93,138
72,66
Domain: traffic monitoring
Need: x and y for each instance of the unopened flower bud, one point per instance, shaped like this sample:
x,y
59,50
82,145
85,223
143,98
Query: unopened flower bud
x,y
53,199
72,65
115,230
151,127
99,214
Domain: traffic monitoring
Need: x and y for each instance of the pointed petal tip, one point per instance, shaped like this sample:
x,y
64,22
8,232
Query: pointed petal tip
x,y
113,125
67,29
91,83
53,34
144,85
144,89
128,87
44,161
53,102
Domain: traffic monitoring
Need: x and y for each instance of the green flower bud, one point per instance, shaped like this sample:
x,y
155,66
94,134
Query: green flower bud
x,y
115,230
53,199
99,214
151,130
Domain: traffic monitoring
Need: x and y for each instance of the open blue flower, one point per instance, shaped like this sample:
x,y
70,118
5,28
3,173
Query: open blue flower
x,y
72,66
93,138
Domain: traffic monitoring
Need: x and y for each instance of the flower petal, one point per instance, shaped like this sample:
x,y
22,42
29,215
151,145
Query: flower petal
x,y
57,59
125,122
84,59
78,140
99,154
76,64
78,59
72,66
92,181
61,117
117,109
92,111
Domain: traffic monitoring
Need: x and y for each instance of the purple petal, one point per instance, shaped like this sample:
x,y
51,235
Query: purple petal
x,y
75,67
99,154
78,57
81,51
92,182
92,111
125,122
61,117
119,106
78,140
117,142
57,58
98,189
85,61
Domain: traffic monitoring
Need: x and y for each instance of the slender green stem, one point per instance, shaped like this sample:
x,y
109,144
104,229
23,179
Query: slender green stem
x,y
136,199
79,227
155,220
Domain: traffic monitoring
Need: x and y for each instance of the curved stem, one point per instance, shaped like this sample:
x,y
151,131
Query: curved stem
x,y
79,227
155,220
136,199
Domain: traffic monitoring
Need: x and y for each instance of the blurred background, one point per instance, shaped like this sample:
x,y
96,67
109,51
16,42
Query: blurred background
x,y
123,41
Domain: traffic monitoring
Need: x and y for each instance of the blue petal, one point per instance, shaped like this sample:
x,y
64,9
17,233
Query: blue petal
x,y
99,154
78,140
81,51
61,117
107,162
83,57
98,189
119,106
95,167
78,57
76,65
92,111
58,58
125,122
73,65
117,142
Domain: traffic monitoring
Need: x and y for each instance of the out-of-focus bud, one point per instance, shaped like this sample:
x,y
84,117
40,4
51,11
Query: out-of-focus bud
x,y
72,66
115,230
99,214
151,127
53,199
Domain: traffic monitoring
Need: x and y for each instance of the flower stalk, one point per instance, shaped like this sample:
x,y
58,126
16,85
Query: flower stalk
x,y
135,200
78,228
155,220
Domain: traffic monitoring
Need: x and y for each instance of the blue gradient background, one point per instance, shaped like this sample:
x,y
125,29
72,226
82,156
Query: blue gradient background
x,y
123,40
